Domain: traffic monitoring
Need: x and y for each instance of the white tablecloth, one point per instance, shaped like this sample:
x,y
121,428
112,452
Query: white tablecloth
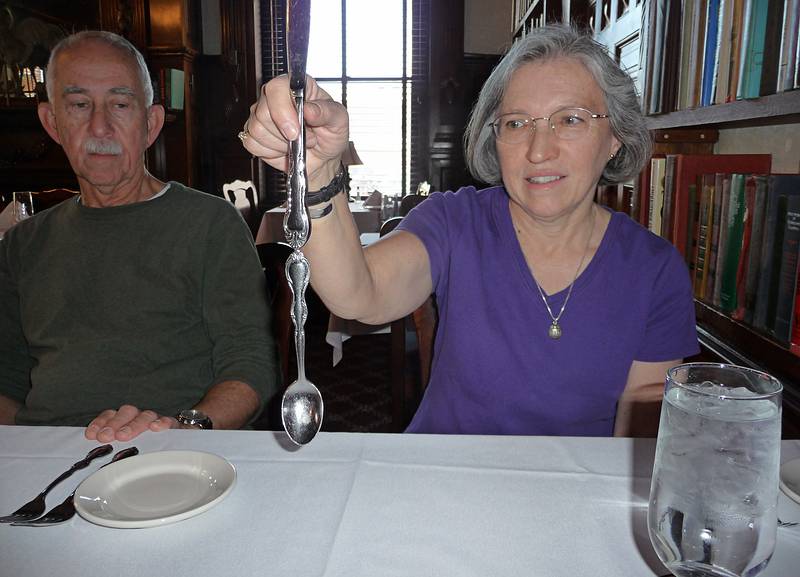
x,y
366,504
271,228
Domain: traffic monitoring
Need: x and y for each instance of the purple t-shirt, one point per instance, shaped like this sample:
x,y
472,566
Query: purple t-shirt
x,y
495,370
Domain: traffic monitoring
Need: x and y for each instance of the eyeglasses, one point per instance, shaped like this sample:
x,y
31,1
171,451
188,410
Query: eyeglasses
x,y
566,124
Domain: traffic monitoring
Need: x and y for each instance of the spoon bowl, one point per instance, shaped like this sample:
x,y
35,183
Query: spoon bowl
x,y
301,411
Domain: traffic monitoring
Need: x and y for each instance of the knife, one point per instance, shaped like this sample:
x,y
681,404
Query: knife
x,y
296,225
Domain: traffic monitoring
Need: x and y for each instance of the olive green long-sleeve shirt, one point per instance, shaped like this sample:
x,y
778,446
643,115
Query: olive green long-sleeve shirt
x,y
150,304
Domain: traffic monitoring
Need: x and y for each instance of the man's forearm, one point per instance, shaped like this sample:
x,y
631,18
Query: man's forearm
x,y
230,404
8,410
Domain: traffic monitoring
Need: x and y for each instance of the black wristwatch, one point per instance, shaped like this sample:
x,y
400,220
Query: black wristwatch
x,y
194,418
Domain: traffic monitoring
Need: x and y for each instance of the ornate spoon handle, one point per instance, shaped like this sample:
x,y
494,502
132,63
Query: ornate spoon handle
x,y
298,273
296,225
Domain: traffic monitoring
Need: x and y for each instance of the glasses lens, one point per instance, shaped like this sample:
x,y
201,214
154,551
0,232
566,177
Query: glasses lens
x,y
512,128
571,123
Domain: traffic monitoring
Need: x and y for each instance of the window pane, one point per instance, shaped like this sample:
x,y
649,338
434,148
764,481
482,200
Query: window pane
x,y
334,88
325,42
374,38
376,130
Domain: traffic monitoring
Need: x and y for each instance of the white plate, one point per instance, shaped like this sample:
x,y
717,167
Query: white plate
x,y
790,479
154,489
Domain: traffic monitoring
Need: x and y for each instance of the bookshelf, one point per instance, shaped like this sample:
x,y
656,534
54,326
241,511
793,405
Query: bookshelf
x,y
680,125
722,338
781,108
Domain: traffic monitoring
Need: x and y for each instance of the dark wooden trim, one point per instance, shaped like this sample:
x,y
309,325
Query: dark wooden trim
x,y
781,108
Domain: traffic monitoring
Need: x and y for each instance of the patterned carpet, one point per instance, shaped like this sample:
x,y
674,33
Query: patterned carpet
x,y
357,391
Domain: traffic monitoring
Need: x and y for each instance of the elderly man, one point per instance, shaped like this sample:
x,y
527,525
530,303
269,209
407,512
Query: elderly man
x,y
140,305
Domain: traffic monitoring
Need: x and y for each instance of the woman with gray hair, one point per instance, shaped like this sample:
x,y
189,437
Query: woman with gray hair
x,y
556,316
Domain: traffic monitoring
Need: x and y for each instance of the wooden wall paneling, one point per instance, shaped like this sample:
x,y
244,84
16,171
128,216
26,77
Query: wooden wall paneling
x,y
29,158
446,96
126,18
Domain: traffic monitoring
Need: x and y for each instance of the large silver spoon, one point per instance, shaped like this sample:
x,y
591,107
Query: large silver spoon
x,y
301,407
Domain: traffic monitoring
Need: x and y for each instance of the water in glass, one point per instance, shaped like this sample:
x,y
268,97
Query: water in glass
x,y
714,490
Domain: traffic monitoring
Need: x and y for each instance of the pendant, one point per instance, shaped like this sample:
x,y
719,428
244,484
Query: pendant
x,y
554,332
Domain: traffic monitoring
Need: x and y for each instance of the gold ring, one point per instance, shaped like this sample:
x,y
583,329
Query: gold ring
x,y
243,135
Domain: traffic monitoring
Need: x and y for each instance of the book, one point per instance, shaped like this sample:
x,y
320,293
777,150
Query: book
x,y
787,277
697,52
656,194
759,184
753,49
724,57
719,180
691,241
687,35
789,45
733,245
711,53
744,253
795,340
723,236
688,168
779,187
772,48
704,226
670,70
737,34
669,185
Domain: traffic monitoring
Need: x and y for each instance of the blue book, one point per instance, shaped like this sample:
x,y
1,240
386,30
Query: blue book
x,y
711,51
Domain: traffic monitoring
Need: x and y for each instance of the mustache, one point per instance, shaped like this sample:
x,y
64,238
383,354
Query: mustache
x,y
102,146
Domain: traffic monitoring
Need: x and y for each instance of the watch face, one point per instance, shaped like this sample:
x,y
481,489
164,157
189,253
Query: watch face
x,y
194,418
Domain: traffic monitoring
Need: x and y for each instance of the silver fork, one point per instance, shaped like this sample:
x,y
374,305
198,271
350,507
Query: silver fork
x,y
35,506
788,523
66,510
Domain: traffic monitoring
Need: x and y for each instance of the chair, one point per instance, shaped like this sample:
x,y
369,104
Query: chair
x,y
411,353
44,199
243,195
273,257
409,201
389,225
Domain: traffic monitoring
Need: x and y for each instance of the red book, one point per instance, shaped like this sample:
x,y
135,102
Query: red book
x,y
689,167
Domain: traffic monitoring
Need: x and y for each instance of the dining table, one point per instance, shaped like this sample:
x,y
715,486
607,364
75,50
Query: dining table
x,y
352,504
367,219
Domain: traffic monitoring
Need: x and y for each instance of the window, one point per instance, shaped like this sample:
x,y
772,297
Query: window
x,y
360,51
367,68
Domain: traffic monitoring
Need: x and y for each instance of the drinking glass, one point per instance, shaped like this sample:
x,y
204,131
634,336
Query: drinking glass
x,y
714,490
23,205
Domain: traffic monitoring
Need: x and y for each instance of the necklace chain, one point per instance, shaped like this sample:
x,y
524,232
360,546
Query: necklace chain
x,y
554,331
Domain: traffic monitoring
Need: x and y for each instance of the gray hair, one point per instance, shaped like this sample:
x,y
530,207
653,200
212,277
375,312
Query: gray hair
x,y
562,41
113,40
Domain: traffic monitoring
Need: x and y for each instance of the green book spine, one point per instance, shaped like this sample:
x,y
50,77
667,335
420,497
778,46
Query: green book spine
x,y
733,245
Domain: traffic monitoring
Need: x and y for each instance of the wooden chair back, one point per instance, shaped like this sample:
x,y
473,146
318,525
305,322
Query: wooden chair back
x,y
410,201
412,340
273,257
389,225
242,194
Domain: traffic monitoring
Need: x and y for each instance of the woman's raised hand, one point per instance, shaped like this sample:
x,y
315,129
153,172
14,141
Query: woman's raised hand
x,y
273,123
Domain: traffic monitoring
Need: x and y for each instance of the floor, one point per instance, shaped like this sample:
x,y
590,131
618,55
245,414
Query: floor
x,y
357,392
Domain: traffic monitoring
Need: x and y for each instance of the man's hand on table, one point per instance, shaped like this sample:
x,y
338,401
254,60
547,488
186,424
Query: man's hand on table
x,y
126,423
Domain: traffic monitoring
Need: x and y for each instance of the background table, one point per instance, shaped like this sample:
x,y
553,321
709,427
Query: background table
x,y
271,228
366,504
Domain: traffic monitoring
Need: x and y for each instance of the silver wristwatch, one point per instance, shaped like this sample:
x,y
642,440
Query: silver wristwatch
x,y
194,418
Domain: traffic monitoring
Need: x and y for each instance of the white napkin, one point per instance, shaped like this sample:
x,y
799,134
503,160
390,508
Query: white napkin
x,y
374,199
